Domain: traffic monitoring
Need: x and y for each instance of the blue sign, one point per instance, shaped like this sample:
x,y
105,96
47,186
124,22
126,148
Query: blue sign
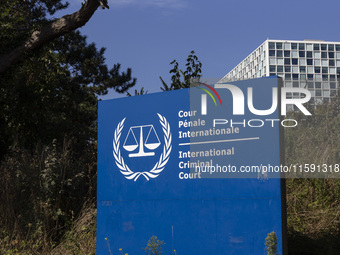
x,y
149,185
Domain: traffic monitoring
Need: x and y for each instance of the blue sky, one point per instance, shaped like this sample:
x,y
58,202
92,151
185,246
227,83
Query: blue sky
x,y
147,35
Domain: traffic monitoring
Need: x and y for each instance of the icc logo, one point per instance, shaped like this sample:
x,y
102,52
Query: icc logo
x,y
138,139
151,142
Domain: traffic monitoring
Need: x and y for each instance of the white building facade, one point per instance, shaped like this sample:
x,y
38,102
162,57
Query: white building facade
x,y
310,64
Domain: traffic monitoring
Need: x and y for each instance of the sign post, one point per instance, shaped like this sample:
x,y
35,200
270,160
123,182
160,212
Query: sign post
x,y
181,166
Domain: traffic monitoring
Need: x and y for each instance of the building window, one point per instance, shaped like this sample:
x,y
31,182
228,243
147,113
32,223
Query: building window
x,y
337,47
324,62
316,46
317,69
317,54
331,54
309,62
287,61
323,46
302,62
272,53
287,69
295,84
309,46
325,77
332,85
294,46
317,77
272,68
309,54
271,45
326,93
324,69
317,62
279,69
288,77
301,46
295,76
301,54
318,85
287,53
280,61
325,85
294,61
332,77
295,69
323,54
331,62
279,53
302,69
310,69
279,46
331,47
302,77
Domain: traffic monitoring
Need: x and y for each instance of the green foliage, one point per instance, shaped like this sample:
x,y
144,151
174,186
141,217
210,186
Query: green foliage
x,y
313,205
271,244
20,18
81,238
154,246
138,93
191,75
43,191
319,131
53,92
48,116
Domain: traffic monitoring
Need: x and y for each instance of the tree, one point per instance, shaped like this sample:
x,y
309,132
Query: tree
x,y
53,92
48,116
271,244
43,64
138,93
30,22
154,246
191,75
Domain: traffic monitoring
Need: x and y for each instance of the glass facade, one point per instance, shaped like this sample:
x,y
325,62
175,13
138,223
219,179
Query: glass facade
x,y
314,65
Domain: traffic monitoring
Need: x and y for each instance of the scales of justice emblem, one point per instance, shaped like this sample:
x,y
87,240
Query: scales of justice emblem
x,y
132,142
141,137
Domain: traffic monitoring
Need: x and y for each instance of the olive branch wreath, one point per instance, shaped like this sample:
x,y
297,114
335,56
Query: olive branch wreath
x,y
159,166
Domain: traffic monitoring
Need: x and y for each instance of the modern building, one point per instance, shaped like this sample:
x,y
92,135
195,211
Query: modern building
x,y
311,64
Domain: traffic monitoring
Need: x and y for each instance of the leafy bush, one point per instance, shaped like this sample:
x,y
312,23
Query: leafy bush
x,y
43,192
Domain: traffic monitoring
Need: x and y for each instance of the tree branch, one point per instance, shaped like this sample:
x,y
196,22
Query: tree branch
x,y
51,31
